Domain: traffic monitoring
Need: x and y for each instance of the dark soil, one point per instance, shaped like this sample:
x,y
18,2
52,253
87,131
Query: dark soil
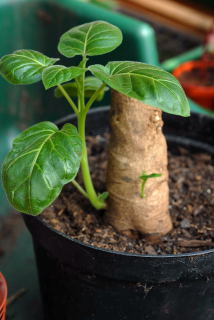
x,y
191,207
202,77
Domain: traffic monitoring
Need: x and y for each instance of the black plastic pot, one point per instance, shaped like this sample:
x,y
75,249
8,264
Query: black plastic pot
x,y
81,282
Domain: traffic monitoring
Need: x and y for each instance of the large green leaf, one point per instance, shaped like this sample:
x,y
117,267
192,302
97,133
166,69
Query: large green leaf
x,y
24,66
148,83
90,39
91,85
55,75
43,159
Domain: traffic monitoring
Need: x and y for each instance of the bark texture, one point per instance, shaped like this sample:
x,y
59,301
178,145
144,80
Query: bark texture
x,y
137,145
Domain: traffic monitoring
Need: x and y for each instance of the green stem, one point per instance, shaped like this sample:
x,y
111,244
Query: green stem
x,y
82,85
142,194
79,188
94,97
68,98
92,196
78,95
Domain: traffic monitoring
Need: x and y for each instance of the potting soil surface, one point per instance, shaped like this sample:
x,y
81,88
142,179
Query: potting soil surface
x,y
191,206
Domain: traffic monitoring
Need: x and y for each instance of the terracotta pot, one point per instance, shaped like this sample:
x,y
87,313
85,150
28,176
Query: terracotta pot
x,y
3,297
202,94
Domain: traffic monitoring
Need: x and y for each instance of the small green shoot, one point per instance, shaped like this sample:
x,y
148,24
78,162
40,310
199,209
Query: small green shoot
x,y
103,196
144,177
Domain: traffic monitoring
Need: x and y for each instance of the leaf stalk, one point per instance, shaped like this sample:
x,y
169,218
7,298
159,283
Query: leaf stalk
x,y
79,188
94,97
68,98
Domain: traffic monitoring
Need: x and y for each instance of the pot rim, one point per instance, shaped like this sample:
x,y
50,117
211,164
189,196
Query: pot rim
x,y
107,108
188,66
5,289
120,253
127,254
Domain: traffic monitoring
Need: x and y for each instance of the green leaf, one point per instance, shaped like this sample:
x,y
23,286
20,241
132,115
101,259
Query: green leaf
x,y
42,160
90,39
145,176
55,75
148,83
24,66
91,85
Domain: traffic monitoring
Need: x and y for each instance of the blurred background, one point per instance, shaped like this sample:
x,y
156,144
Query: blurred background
x,y
175,34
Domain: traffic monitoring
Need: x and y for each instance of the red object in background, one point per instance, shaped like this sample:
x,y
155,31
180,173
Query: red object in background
x,y
3,297
198,92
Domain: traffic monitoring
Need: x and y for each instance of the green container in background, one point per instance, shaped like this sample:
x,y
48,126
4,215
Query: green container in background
x,y
33,24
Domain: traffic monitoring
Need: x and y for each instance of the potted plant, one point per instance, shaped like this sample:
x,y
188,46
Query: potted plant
x,y
3,297
51,18
89,280
197,77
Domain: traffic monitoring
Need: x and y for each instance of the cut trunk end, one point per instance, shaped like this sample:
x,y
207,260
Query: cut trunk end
x,y
137,145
